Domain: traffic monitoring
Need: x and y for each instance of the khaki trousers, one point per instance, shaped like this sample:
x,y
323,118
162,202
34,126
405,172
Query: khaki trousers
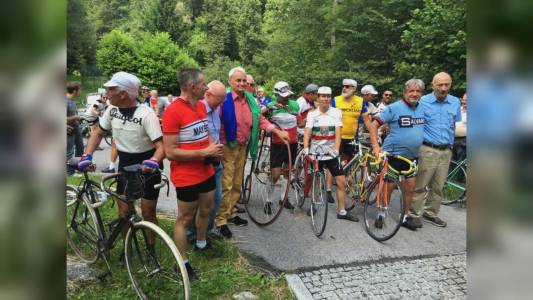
x,y
433,167
233,162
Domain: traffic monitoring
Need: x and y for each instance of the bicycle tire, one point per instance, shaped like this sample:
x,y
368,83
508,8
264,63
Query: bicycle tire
x,y
108,138
298,181
264,204
154,274
83,228
455,186
392,215
319,204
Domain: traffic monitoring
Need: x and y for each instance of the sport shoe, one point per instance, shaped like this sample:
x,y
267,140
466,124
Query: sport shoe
x,y
287,204
330,197
434,220
379,222
238,221
108,170
348,216
409,223
417,222
224,231
206,248
191,272
268,208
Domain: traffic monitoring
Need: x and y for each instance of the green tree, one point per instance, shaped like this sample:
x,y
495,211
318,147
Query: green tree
x,y
81,37
154,58
434,41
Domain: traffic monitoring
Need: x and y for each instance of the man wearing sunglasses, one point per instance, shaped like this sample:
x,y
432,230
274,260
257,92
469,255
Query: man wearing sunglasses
x,y
386,99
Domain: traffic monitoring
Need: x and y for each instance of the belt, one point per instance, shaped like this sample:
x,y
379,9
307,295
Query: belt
x,y
440,147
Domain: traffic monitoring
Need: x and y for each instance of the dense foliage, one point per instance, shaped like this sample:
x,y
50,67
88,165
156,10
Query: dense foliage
x,y
379,42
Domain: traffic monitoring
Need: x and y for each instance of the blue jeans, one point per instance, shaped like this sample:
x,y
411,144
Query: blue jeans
x,y
191,231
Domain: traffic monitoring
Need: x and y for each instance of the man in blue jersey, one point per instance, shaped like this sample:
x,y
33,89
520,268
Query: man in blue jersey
x,y
441,111
405,119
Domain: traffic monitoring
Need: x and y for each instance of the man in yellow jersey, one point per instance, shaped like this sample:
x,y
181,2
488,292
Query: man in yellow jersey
x,y
353,110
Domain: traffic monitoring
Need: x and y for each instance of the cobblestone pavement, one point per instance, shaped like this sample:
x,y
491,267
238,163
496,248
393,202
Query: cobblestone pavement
x,y
441,277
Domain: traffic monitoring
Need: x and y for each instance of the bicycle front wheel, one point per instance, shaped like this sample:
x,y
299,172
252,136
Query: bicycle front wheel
x,y
154,264
265,198
319,204
82,226
298,181
383,211
455,186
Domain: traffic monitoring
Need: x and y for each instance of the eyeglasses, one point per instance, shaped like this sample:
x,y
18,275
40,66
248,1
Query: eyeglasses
x,y
251,84
347,86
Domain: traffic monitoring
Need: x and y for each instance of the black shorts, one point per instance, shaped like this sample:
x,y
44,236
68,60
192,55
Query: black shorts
x,y
400,165
278,154
332,165
192,192
347,149
128,159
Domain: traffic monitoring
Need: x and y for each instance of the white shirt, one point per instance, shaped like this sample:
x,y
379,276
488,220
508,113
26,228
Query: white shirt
x,y
135,133
323,131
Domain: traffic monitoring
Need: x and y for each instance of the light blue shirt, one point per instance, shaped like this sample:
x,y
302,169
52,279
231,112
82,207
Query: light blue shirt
x,y
406,126
213,121
440,116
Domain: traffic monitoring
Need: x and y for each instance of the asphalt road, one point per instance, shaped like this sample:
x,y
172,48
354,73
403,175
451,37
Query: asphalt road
x,y
289,244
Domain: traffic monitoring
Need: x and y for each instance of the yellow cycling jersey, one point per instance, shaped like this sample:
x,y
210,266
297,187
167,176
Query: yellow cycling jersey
x,y
351,113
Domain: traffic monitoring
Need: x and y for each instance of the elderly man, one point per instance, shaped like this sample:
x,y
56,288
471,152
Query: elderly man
x,y
213,97
250,84
369,93
191,150
441,112
241,121
406,121
137,134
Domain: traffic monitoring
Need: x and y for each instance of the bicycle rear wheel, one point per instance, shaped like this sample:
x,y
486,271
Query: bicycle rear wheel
x,y
383,217
455,186
156,270
319,204
354,184
83,231
298,181
265,199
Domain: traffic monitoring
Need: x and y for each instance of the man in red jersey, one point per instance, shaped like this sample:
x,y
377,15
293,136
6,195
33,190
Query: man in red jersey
x,y
190,150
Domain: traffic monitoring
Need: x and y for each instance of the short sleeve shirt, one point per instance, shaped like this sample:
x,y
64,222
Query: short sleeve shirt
x,y
192,127
323,130
135,129
351,113
287,119
72,111
406,128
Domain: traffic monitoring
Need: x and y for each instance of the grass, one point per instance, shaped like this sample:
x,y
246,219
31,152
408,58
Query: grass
x,y
223,272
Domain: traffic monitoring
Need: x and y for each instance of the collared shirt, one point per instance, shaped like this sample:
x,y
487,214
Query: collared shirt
x,y
213,121
440,116
243,115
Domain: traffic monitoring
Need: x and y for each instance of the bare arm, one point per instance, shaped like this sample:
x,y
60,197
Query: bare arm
x,y
338,138
307,134
171,144
373,130
159,154
94,140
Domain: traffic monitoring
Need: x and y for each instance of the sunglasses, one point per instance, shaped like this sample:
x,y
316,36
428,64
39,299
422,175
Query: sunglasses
x,y
347,86
387,95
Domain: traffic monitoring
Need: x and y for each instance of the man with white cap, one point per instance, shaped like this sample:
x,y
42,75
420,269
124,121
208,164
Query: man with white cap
x,y
353,109
137,134
323,134
369,93
285,114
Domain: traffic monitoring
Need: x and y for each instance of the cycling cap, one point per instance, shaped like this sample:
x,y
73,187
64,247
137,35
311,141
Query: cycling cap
x,y
324,90
283,89
349,82
127,81
368,89
311,88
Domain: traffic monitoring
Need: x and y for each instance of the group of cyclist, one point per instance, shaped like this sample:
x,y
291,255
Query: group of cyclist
x,y
208,132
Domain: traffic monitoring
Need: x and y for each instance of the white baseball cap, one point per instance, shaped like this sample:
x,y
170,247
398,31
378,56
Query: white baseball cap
x,y
349,82
324,90
283,89
127,81
368,89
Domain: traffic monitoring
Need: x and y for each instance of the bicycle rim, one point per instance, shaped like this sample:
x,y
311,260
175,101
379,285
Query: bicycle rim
x,y
157,271
455,186
390,210
319,205
297,182
82,228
